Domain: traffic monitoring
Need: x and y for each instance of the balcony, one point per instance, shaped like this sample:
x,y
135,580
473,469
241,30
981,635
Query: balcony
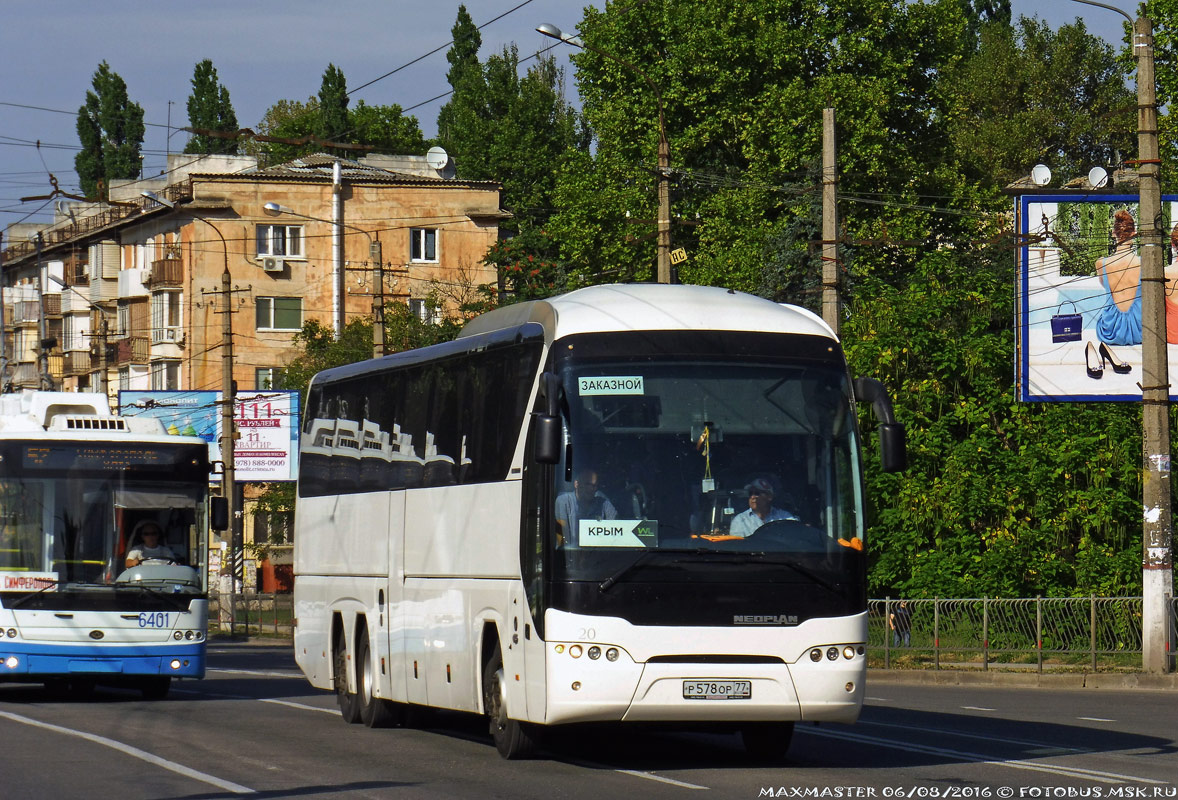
x,y
26,311
77,362
167,273
133,350
52,303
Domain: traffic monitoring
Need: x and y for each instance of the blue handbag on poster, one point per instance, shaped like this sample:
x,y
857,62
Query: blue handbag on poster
x,y
1066,327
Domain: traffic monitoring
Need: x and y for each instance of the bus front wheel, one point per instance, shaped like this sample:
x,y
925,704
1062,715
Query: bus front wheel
x,y
513,739
349,704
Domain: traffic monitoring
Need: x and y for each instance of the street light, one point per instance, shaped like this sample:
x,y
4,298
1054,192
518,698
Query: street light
x,y
1157,564
228,398
374,254
664,164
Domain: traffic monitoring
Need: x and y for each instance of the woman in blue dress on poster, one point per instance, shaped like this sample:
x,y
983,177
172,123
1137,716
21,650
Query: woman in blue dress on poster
x,y
1120,272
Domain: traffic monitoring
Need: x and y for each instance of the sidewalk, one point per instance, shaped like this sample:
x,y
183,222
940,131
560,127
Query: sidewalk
x,y
1048,680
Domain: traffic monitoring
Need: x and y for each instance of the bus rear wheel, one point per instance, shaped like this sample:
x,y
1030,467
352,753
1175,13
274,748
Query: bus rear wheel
x,y
374,712
767,740
349,704
513,739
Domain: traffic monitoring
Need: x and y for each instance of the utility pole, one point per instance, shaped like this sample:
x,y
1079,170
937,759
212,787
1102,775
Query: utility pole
x,y
229,436
664,220
46,382
374,255
1156,544
830,254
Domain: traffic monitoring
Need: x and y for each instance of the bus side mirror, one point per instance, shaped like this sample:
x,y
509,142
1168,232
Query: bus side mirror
x,y
893,447
219,513
546,430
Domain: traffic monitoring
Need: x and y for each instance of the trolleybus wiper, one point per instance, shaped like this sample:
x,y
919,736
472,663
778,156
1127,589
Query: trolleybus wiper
x,y
20,601
172,599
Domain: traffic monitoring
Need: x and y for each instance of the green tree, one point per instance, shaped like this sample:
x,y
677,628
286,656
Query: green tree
x,y
110,129
332,121
209,109
1031,95
386,128
459,117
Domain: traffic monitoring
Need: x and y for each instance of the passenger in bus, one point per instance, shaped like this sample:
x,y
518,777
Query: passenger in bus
x,y
584,502
760,510
148,546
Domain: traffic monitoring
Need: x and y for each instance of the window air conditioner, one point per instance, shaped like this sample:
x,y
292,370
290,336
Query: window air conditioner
x,y
273,264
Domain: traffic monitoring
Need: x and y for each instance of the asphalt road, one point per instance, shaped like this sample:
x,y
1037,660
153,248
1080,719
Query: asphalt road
x,y
254,726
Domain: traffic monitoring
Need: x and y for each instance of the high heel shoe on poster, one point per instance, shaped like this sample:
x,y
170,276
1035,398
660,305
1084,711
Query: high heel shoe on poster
x,y
1093,362
1119,366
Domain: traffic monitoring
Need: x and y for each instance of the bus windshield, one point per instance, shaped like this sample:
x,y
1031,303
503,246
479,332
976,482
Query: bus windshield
x,y
71,521
707,443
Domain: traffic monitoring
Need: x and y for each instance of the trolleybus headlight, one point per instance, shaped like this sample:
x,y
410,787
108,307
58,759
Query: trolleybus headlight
x,y
575,651
860,650
178,635
189,634
199,636
815,654
12,662
594,652
832,653
611,654
11,633
175,663
848,652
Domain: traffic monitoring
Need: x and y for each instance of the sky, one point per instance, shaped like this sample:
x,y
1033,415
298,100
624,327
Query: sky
x,y
263,52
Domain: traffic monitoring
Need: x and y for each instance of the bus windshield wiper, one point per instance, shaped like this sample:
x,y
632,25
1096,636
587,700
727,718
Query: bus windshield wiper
x,y
642,558
784,560
20,601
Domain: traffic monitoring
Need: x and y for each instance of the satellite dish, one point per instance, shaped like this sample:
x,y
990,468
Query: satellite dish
x,y
437,158
1097,176
1040,175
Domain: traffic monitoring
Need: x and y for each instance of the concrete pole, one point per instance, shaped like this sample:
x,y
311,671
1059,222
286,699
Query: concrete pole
x,y
337,249
830,254
1157,559
229,436
374,251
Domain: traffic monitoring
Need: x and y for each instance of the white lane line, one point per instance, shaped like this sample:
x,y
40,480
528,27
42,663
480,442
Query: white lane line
x,y
958,755
963,735
291,673
650,776
878,699
978,708
298,705
135,752
1097,719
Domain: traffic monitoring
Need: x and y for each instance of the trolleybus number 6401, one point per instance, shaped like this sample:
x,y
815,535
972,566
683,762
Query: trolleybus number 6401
x,y
156,619
717,690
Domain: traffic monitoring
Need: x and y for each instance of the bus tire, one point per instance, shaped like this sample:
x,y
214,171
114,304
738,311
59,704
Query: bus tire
x,y
155,687
349,704
374,712
767,741
513,739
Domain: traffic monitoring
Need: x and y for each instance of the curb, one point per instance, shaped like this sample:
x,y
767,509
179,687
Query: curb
x,y
1032,680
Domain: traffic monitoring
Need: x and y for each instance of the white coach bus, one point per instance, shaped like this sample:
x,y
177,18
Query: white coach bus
x,y
548,521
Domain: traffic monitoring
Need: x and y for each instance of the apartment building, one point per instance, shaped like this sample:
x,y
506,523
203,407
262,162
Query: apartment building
x,y
130,294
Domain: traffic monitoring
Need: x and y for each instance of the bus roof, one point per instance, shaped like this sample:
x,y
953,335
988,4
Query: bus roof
x,y
651,307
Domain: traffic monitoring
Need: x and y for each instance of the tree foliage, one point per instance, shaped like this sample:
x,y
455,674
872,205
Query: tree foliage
x,y
209,108
331,123
110,129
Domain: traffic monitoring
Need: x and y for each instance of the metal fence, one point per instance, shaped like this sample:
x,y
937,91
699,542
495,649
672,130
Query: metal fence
x,y
1039,634
251,614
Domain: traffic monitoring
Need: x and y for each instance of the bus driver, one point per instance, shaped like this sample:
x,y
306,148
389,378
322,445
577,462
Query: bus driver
x,y
760,509
584,502
148,546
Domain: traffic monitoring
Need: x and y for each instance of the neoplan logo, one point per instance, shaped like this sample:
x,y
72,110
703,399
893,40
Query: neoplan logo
x,y
765,619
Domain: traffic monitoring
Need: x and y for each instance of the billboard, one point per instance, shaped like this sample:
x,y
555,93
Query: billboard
x,y
267,423
1078,309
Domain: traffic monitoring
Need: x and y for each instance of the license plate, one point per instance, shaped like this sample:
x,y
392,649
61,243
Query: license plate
x,y
717,690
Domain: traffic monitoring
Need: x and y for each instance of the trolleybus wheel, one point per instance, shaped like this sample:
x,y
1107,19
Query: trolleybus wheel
x,y
349,704
513,739
155,687
767,740
375,712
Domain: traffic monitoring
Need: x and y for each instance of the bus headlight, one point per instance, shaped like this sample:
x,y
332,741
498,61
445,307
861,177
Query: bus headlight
x,y
11,633
189,634
832,653
575,651
815,655
178,635
594,652
848,652
12,662
611,654
175,663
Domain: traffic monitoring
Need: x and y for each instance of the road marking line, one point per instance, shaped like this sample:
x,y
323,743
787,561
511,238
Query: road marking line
x,y
297,705
963,735
978,708
1097,719
958,755
135,752
260,672
878,699
651,776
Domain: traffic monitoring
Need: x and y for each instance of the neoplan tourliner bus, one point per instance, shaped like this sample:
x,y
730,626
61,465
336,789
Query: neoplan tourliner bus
x,y
444,556
78,486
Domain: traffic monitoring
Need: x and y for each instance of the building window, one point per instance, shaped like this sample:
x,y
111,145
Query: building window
x,y
274,527
426,311
280,240
280,313
123,320
165,375
268,378
165,317
124,379
423,244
